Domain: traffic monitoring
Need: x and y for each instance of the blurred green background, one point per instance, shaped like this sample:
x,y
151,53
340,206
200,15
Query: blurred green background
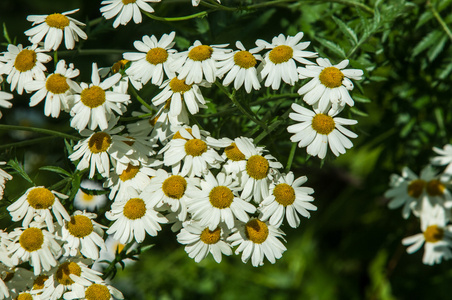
x,y
351,247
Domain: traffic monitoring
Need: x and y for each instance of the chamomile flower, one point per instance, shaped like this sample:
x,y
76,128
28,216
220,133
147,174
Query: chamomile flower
x,y
23,65
198,62
4,100
35,246
257,240
94,104
153,61
88,201
4,176
54,89
53,27
279,63
200,241
125,10
36,203
134,217
329,85
96,291
240,67
317,130
444,158
108,254
287,197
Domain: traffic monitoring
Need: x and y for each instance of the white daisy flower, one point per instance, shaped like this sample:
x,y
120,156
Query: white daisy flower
x,y
13,280
176,93
97,291
4,176
317,130
4,100
200,241
89,201
193,150
257,240
82,234
240,67
198,62
287,197
329,85
94,104
35,246
279,63
35,204
108,254
134,217
22,65
125,10
153,61
53,27
444,158
54,89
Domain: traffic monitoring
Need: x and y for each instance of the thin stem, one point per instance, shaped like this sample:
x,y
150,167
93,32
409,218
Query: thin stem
x,y
60,183
440,20
135,94
352,3
27,142
291,156
40,130
95,21
176,19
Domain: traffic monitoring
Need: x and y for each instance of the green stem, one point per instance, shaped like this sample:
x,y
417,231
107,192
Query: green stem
x,y
176,19
95,21
92,52
352,3
40,130
440,20
27,142
60,183
135,94
291,156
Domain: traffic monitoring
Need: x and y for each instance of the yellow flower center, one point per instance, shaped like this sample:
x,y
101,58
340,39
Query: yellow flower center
x,y
195,147
323,124
284,194
280,54
38,284
57,20
435,188
25,60
256,231
31,239
416,187
40,198
129,173
66,269
221,197
117,66
93,96
87,197
210,237
134,209
125,2
24,296
99,142
177,135
56,83
98,291
244,59
157,56
257,167
153,121
179,86
80,226
119,247
174,186
200,53
233,153
331,77
433,234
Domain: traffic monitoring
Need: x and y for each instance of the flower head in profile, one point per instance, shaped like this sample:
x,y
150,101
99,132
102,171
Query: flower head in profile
x,y
125,10
4,99
4,176
92,199
53,27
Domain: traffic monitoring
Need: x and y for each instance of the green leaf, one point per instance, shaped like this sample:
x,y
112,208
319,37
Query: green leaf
x,y
445,71
335,48
358,112
362,99
56,170
5,34
437,48
430,39
94,192
20,170
346,30
424,18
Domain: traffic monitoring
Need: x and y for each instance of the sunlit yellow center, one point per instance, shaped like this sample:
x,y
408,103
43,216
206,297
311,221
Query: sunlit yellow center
x,y
125,2
39,282
134,209
177,135
24,296
284,194
97,291
129,173
179,86
435,188
257,167
233,153
31,239
93,96
323,124
117,66
99,142
210,237
66,269
40,198
331,77
25,60
221,197
244,59
157,56
80,226
200,53
87,197
57,20
416,187
56,83
119,247
195,147
280,54
433,234
256,231
174,186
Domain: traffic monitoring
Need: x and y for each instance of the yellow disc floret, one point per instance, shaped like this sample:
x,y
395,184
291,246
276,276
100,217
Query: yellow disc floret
x,y
134,209
174,186
323,124
66,269
200,53
257,167
119,65
233,153
221,197
99,142
125,2
93,96
57,20
416,187
435,188
38,283
80,226
157,56
331,77
177,135
129,173
433,234
97,291
179,86
210,236
40,198
31,239
56,83
284,194
25,60
280,54
195,147
244,59
24,296
256,231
